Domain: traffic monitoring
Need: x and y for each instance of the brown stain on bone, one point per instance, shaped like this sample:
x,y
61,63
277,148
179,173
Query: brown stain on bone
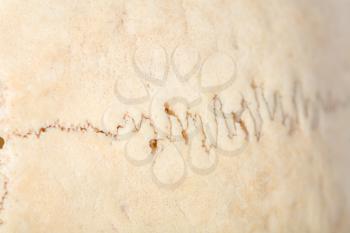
x,y
153,144
168,110
185,136
2,142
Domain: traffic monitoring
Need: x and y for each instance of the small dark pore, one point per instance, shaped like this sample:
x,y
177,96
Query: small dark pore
x,y
168,110
2,142
153,144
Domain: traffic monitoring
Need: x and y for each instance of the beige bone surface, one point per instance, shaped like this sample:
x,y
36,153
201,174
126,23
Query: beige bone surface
x,y
174,116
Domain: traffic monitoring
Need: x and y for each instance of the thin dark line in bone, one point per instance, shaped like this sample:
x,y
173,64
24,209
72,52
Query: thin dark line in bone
x,y
222,113
260,122
309,109
3,196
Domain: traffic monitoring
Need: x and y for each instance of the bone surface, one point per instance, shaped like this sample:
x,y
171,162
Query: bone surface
x,y
174,116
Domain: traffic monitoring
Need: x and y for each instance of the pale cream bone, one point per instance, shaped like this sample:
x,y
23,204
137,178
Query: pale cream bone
x,y
174,116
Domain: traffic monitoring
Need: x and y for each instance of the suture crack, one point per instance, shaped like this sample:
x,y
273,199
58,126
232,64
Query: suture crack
x,y
248,114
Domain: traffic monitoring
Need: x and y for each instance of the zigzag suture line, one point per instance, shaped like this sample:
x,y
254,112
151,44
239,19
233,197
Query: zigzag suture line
x,y
309,109
275,109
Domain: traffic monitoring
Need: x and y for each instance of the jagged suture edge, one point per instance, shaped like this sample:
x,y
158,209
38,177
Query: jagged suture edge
x,y
309,109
